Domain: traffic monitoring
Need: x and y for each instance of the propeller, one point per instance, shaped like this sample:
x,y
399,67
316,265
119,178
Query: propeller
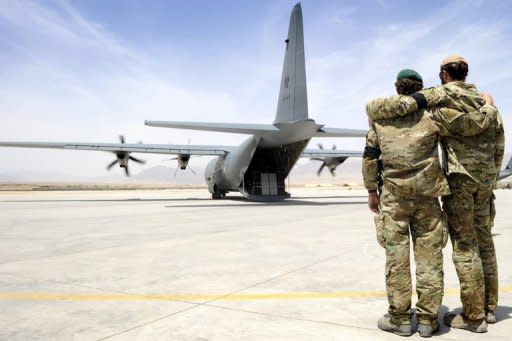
x,y
319,171
123,157
193,171
322,147
183,163
183,160
330,162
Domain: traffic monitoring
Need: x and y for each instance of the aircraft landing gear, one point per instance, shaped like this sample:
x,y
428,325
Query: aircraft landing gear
x,y
218,194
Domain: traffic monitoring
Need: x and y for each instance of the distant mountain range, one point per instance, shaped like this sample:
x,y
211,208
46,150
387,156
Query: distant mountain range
x,y
304,173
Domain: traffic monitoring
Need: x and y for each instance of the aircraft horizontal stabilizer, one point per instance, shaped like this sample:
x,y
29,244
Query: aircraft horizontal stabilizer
x,y
340,132
235,128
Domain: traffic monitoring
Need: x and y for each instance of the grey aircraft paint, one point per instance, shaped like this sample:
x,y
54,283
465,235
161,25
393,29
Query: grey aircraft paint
x,y
292,104
272,153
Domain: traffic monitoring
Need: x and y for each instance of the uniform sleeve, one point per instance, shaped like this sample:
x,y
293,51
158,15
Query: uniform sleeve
x,y
390,107
370,161
500,145
435,96
453,122
400,105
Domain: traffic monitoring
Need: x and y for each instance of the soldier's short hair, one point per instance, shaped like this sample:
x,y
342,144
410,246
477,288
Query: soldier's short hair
x,y
408,86
458,71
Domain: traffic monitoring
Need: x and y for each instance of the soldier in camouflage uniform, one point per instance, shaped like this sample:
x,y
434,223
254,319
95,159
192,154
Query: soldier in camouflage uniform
x,y
412,182
471,164
484,224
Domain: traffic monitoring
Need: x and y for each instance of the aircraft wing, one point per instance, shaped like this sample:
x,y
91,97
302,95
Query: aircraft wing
x,y
319,153
125,147
340,132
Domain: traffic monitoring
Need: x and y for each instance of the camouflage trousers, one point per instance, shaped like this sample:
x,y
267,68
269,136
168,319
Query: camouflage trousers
x,y
470,210
422,219
489,262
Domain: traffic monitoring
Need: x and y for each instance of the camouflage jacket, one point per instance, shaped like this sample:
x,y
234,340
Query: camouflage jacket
x,y
473,139
410,161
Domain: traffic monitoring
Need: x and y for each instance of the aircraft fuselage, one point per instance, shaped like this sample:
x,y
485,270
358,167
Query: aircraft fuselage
x,y
259,166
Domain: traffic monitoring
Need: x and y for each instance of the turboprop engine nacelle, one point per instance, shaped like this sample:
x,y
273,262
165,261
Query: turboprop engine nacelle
x,y
123,157
123,160
213,174
183,160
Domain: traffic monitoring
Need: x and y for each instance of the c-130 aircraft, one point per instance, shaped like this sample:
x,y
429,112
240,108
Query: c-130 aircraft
x,y
259,166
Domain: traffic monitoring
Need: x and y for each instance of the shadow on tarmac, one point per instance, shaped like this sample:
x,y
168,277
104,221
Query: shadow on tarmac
x,y
292,202
287,202
443,329
503,313
333,197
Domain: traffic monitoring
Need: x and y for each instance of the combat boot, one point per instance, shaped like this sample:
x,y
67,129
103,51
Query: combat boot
x,y
459,321
428,329
387,325
490,317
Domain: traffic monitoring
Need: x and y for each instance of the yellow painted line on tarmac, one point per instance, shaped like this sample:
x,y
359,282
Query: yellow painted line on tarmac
x,y
83,297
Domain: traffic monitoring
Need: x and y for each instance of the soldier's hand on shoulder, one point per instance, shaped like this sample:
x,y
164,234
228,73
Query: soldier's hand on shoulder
x,y
373,202
487,98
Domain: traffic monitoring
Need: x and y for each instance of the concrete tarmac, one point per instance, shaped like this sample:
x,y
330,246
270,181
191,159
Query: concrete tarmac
x,y
176,265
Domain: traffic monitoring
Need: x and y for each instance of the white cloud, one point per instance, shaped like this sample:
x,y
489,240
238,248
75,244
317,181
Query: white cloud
x,y
345,77
44,99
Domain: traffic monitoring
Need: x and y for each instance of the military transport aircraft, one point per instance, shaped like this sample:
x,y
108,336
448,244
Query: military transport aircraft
x,y
259,166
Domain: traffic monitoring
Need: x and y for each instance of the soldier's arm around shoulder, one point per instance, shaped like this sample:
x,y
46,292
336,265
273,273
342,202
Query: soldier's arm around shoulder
x,y
370,160
401,105
390,107
431,97
455,122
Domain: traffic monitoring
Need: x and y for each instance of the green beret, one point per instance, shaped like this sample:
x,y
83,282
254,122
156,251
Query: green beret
x,y
410,74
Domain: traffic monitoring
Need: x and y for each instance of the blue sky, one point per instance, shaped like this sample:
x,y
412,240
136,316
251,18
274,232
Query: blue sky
x,y
89,70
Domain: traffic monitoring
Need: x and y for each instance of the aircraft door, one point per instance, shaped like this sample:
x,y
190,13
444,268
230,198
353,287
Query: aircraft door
x,y
269,184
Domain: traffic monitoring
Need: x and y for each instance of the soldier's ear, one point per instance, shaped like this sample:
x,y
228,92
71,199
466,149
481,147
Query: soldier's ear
x,y
396,88
444,76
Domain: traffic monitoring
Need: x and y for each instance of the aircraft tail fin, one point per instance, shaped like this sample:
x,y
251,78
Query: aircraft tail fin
x,y
293,98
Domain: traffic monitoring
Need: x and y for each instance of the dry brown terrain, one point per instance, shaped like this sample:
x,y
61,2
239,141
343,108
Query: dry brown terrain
x,y
55,186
